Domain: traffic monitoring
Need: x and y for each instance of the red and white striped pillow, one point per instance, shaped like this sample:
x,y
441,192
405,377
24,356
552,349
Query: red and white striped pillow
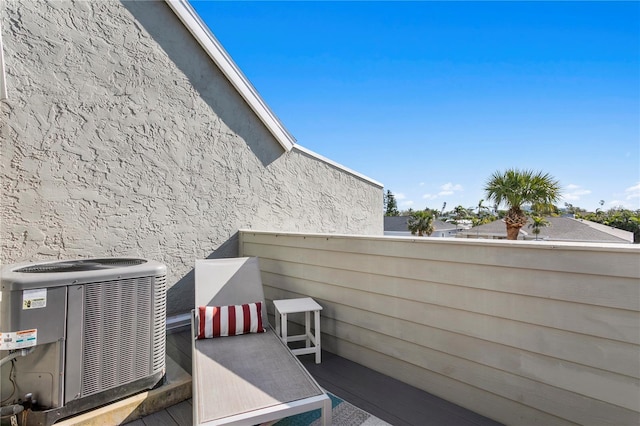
x,y
220,321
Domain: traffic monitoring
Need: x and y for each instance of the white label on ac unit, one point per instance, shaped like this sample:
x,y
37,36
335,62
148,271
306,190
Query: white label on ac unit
x,y
34,299
18,339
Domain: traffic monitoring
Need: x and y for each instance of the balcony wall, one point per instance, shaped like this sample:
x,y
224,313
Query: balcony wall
x,y
521,332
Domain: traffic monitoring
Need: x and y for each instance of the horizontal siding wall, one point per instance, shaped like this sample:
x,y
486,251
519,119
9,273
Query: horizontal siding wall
x,y
521,332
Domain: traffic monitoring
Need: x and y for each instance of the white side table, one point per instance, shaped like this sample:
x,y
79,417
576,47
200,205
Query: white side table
x,y
306,305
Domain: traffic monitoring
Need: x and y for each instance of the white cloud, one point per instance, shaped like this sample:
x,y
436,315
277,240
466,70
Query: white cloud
x,y
429,196
421,183
627,199
574,192
633,192
407,203
450,188
400,196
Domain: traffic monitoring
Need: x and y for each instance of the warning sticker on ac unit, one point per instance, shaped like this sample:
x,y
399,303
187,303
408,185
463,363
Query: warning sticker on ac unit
x,y
18,339
34,299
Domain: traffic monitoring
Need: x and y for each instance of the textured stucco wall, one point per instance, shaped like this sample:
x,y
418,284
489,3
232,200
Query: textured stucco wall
x,y
120,137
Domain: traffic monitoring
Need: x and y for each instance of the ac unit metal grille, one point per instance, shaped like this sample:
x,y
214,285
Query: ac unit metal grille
x,y
79,265
159,323
123,338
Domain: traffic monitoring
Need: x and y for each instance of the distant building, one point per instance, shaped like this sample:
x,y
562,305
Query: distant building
x,y
397,226
559,229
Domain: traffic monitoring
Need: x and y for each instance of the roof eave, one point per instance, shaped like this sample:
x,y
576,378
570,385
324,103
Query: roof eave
x,y
221,58
338,165
3,84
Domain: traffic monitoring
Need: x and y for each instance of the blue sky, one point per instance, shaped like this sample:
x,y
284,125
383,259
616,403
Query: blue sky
x,y
431,98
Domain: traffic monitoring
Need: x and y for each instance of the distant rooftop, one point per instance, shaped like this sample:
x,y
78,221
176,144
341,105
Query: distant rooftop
x,y
560,229
398,226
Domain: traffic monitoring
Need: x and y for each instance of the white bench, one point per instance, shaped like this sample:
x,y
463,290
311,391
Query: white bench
x,y
251,378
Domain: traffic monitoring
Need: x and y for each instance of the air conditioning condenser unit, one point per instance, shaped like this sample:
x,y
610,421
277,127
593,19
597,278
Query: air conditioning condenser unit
x,y
81,333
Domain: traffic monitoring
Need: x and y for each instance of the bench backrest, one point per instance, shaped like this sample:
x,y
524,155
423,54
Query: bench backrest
x,y
234,281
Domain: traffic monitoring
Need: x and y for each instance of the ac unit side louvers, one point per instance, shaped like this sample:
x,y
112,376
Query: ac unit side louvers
x,y
97,328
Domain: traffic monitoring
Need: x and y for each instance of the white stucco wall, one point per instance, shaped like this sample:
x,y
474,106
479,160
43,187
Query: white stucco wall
x,y
120,137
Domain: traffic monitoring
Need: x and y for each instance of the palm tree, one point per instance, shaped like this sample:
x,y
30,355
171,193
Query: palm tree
x,y
482,211
460,213
516,187
442,210
421,222
538,222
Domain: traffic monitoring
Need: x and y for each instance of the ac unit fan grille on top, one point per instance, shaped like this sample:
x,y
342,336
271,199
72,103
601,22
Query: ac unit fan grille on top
x,y
81,265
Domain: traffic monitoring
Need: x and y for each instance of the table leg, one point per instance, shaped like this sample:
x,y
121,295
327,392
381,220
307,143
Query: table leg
x,y
307,328
316,315
283,326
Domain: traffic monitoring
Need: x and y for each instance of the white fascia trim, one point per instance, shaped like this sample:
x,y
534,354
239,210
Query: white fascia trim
x,y
221,58
337,165
3,80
